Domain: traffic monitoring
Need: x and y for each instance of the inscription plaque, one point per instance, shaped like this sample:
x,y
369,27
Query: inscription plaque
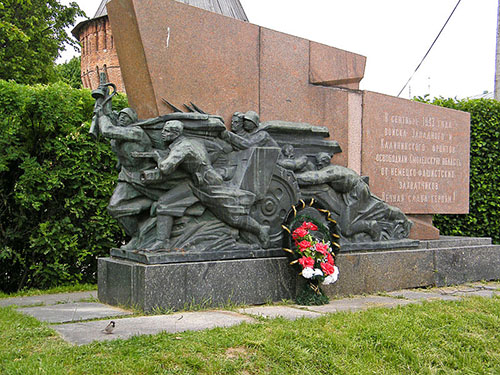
x,y
416,154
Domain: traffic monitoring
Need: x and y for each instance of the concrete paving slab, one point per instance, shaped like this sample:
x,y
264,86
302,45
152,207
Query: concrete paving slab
x,y
492,285
455,291
457,288
49,299
73,312
479,293
286,312
87,332
358,303
421,295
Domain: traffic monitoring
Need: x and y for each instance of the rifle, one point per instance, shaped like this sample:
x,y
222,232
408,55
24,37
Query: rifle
x,y
103,104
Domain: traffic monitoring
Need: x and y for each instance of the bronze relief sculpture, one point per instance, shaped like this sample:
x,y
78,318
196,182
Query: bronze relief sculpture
x,y
188,185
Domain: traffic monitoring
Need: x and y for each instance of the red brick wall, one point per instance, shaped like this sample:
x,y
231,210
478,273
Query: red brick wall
x,y
99,54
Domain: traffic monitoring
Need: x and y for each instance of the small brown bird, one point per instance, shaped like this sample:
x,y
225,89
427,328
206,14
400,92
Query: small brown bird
x,y
109,328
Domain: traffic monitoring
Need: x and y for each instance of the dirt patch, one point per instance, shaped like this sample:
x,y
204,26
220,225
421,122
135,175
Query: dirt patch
x,y
238,352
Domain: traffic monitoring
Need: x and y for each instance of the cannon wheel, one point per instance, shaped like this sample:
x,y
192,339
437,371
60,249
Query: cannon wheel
x,y
283,193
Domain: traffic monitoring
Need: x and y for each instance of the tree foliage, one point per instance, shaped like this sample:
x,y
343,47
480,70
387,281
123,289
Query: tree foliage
x,y
32,33
483,219
70,72
55,183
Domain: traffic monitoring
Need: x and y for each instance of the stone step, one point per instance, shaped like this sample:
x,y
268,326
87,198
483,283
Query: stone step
x,y
73,312
88,331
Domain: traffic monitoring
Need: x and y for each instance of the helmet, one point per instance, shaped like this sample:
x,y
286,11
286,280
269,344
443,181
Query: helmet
x,y
252,116
130,113
174,124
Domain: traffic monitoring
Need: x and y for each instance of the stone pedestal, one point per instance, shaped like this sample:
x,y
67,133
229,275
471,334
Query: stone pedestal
x,y
183,285
447,261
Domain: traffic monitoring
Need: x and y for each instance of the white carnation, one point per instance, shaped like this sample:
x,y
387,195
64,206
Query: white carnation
x,y
308,272
318,272
330,279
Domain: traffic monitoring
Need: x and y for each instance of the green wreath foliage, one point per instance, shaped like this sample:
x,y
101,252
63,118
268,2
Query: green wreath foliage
x,y
307,296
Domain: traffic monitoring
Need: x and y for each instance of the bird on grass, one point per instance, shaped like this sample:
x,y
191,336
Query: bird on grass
x,y
109,328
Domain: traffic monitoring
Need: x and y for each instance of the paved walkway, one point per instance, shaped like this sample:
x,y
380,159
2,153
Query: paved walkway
x,y
80,319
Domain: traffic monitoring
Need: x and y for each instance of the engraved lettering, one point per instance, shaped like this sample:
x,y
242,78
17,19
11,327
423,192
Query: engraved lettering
x,y
444,149
431,135
395,132
404,120
418,159
418,185
431,160
393,198
401,146
391,158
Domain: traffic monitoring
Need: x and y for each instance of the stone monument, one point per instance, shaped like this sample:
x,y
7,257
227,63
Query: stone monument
x,y
203,190
243,66
190,191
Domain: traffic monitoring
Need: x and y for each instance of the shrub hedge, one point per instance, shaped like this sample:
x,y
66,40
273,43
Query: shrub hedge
x,y
483,219
55,183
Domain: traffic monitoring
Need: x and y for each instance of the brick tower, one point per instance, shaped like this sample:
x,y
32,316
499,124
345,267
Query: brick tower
x,y
98,53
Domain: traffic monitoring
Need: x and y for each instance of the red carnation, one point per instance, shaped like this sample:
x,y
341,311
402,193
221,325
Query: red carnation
x,y
308,225
304,245
306,262
299,232
330,259
322,248
327,268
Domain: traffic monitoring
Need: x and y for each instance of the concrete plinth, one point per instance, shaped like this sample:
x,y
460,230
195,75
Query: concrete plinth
x,y
447,261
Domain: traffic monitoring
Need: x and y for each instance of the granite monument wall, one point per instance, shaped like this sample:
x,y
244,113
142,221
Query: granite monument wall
x,y
415,155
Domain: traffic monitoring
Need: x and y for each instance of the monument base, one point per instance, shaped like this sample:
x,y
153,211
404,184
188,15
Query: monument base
x,y
447,261
183,285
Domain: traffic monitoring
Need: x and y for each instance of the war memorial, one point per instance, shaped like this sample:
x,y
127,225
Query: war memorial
x,y
233,130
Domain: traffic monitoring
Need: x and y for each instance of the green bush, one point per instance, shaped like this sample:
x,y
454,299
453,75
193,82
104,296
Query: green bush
x,y
55,183
483,219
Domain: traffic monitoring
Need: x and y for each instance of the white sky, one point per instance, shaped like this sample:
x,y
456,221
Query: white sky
x,y
394,35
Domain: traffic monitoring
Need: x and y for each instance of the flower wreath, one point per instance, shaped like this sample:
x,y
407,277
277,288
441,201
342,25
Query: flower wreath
x,y
311,237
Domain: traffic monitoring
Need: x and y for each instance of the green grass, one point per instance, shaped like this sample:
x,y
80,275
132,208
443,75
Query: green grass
x,y
442,337
58,289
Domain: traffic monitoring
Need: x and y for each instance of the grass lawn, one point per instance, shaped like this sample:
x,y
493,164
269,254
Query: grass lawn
x,y
445,337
